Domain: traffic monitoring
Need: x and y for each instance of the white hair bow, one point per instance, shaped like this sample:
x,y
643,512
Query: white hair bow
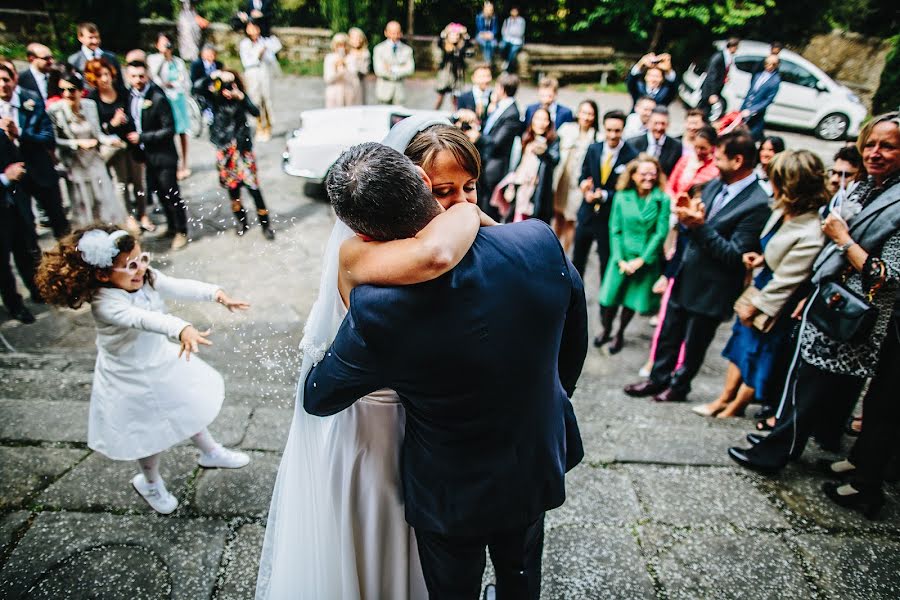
x,y
98,248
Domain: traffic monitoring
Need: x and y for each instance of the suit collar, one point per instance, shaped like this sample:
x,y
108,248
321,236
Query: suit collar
x,y
744,187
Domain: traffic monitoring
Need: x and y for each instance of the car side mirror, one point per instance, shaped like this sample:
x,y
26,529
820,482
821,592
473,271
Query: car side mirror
x,y
821,86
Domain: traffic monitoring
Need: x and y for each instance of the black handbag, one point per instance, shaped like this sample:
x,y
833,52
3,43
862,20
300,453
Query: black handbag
x,y
842,314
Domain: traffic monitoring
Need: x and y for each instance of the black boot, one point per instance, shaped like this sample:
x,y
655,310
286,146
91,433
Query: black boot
x,y
240,221
263,216
624,319
607,315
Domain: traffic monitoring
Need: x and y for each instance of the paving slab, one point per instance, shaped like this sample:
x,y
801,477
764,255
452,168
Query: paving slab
x,y
99,483
25,471
78,555
241,561
658,443
238,492
853,568
601,562
38,384
596,496
268,429
10,525
723,564
43,421
698,496
230,425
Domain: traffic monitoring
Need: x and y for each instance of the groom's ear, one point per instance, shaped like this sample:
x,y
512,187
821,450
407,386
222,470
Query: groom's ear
x,y
424,176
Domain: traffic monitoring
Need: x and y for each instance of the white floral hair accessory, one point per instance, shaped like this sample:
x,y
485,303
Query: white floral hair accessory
x,y
98,248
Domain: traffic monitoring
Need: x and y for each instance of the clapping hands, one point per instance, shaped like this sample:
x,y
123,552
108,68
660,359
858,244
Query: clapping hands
x,y
690,212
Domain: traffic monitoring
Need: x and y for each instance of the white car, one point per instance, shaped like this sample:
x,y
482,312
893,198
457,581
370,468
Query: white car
x,y
807,98
324,133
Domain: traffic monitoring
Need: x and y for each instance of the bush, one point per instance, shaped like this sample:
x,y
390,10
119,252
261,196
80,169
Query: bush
x,y
888,95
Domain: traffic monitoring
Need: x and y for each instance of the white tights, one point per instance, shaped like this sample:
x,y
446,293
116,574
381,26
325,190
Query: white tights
x,y
150,464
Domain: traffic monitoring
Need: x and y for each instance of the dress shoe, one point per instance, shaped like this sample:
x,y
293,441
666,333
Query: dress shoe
x,y
670,395
755,438
746,460
868,503
835,469
179,241
707,410
644,389
601,339
23,315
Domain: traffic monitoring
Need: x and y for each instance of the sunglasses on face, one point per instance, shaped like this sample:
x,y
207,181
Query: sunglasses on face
x,y
134,265
845,174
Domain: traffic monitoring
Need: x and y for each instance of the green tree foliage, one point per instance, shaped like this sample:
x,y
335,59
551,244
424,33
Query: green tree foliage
x,y
888,95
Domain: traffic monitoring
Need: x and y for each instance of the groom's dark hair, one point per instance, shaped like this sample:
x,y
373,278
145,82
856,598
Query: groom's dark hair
x,y
377,192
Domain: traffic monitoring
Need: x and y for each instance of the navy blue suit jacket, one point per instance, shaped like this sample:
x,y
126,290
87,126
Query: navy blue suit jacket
x,y
758,100
596,214
663,96
484,359
13,193
563,114
36,139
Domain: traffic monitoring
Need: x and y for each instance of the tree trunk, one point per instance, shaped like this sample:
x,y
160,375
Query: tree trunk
x,y
657,36
410,17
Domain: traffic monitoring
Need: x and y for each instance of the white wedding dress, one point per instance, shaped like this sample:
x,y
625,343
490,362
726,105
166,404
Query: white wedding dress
x,y
336,526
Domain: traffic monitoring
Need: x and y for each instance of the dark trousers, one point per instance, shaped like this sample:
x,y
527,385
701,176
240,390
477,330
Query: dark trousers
x,y
814,400
453,565
164,183
17,238
696,331
877,442
48,197
585,236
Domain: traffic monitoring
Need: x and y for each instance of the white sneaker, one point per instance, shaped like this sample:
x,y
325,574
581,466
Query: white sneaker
x,y
223,458
157,496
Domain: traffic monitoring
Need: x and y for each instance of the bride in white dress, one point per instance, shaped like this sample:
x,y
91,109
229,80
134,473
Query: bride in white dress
x,y
336,527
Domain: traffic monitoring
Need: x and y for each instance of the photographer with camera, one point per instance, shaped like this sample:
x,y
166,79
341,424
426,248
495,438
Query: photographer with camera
x,y
230,134
454,45
653,77
170,73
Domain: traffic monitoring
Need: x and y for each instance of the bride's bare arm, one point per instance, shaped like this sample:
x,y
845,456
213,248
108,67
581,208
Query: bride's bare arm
x,y
435,250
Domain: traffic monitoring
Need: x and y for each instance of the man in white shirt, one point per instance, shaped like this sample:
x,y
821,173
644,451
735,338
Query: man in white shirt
x,y
513,32
259,57
657,143
40,64
392,61
636,123
478,99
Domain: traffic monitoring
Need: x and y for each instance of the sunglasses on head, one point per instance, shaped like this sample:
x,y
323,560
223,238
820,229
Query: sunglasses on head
x,y
134,265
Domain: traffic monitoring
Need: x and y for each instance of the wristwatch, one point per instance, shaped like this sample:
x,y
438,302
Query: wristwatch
x,y
846,246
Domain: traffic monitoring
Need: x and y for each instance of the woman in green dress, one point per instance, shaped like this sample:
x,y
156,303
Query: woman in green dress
x,y
637,229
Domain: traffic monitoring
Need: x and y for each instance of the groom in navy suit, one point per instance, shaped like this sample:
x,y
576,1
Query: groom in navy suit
x,y
484,358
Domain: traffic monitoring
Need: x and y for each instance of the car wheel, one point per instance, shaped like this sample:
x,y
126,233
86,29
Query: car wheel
x,y
833,127
315,191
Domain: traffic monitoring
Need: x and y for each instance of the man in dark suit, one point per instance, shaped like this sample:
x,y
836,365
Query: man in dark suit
x,y
89,36
717,75
153,143
498,133
763,89
204,66
603,163
478,99
656,143
40,63
724,226
25,121
17,234
653,77
487,443
548,88
260,12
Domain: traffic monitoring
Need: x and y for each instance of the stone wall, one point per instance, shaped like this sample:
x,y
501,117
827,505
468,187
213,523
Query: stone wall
x,y
852,59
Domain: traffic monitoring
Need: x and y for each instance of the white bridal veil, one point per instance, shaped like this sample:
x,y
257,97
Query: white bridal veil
x,y
302,556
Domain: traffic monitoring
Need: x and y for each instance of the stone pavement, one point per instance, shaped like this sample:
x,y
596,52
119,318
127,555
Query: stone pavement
x,y
655,511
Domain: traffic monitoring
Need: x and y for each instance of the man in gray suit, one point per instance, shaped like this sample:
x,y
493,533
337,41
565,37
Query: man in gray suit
x,y
89,36
392,61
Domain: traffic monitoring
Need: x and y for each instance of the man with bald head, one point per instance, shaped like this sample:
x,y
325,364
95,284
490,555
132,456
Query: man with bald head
x,y
40,63
392,61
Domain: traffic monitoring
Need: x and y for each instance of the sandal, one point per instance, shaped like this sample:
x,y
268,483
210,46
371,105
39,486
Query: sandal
x,y
763,425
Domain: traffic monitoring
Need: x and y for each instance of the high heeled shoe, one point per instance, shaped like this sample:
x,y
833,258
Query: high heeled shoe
x,y
868,503
708,410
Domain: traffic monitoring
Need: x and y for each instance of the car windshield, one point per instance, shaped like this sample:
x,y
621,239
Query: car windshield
x,y
747,63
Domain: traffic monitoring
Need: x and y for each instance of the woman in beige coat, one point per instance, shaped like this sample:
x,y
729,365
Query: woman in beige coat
x,y
791,240
341,73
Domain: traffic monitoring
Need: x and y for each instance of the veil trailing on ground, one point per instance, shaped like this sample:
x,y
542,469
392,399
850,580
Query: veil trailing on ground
x,y
301,556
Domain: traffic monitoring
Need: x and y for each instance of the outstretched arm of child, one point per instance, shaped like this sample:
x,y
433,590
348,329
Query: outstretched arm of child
x,y
230,303
173,288
122,313
191,340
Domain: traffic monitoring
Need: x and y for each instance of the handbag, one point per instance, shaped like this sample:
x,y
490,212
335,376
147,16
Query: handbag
x,y
842,314
761,321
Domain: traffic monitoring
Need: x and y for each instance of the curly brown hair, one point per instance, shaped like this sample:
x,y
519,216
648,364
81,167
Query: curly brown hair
x,y
65,279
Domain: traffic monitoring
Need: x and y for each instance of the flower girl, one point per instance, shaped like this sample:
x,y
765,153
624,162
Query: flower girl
x,y
144,399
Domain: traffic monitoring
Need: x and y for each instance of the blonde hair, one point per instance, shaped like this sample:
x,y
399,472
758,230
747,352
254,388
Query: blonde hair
x,y
549,82
866,131
798,177
626,181
340,39
362,36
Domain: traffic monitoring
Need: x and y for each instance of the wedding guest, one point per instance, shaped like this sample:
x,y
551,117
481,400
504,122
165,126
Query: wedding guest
x,y
190,31
653,76
790,242
25,122
548,90
153,144
694,120
763,89
341,74
392,61
603,163
260,61
496,138
479,98
40,65
532,181
144,400
638,226
259,11
720,63
574,140
847,170
18,239
230,134
636,123
711,274
487,30
769,147
513,32
170,73
359,51
89,36
112,109
657,143
453,45
695,168
203,67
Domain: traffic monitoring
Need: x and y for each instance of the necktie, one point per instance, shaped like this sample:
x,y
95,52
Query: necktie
x,y
395,48
718,204
606,168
